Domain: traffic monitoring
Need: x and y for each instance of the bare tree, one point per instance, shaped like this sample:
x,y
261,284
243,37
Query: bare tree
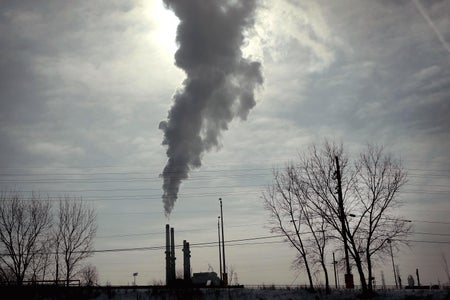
x,y
379,180
320,238
329,197
76,229
89,275
41,264
353,205
24,228
282,203
317,227
6,275
56,246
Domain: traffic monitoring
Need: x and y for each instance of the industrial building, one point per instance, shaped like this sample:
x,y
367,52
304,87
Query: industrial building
x,y
197,279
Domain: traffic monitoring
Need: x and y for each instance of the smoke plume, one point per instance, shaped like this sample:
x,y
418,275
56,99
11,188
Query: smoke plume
x,y
219,86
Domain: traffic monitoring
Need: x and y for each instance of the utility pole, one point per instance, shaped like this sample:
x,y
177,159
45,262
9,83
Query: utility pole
x,y
393,265
220,251
225,275
348,276
418,278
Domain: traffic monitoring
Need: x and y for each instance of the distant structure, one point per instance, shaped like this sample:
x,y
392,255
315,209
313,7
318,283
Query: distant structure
x,y
206,279
170,255
186,262
197,279
171,278
410,281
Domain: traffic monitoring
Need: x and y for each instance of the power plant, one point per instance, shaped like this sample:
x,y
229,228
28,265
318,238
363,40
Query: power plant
x,y
197,279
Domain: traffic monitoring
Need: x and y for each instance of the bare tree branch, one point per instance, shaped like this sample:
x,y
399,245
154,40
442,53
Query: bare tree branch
x,y
77,226
24,227
303,200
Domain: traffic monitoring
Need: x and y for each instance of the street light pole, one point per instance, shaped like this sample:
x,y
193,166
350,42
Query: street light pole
x,y
225,275
220,251
393,265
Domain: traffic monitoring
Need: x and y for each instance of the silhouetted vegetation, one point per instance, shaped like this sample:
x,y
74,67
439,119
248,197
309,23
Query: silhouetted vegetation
x,y
39,244
325,199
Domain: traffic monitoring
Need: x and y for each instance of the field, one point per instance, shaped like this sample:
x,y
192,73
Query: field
x,y
160,293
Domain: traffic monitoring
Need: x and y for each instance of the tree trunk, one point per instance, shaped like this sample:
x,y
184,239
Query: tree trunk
x,y
68,271
57,266
19,280
369,270
362,277
327,281
308,271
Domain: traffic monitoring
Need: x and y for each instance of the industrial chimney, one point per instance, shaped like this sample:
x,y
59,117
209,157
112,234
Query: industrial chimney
x,y
186,261
170,255
167,254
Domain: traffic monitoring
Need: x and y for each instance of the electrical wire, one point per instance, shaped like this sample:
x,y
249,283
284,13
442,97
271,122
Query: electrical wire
x,y
232,242
229,243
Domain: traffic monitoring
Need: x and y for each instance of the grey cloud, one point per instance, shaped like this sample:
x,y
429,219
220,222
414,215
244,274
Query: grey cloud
x,y
59,85
394,82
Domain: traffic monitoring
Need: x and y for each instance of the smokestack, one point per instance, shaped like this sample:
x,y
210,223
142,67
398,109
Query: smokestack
x,y
186,261
219,86
172,254
168,259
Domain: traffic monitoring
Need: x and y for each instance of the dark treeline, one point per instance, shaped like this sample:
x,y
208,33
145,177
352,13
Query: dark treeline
x,y
44,242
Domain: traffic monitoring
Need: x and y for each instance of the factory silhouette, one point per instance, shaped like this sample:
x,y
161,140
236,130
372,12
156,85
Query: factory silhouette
x,y
201,279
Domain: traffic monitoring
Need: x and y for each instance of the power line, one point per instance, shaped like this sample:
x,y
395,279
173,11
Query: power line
x,y
250,190
429,242
431,222
117,178
143,212
430,172
133,172
242,225
87,178
149,196
229,243
429,233
152,248
183,230
149,189
232,242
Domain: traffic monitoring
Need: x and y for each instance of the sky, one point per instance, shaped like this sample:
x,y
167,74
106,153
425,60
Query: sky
x,y
85,85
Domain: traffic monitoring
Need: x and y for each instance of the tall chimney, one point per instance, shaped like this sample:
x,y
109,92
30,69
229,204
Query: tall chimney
x,y
186,261
168,259
172,254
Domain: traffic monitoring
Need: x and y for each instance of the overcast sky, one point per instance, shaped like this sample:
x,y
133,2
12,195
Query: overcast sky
x,y
84,86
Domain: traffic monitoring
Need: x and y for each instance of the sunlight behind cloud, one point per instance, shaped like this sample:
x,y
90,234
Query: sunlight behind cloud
x,y
166,25
283,24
